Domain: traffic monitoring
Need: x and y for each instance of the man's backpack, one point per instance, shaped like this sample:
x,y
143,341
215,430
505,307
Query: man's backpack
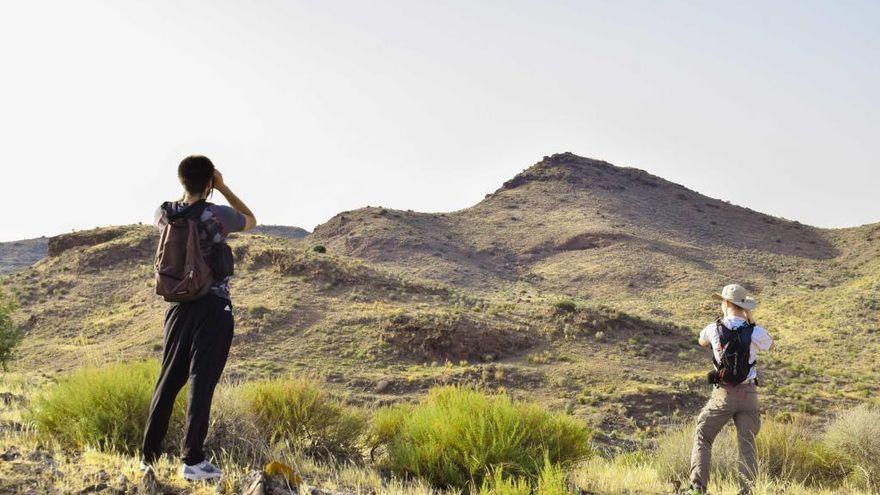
x,y
736,344
182,273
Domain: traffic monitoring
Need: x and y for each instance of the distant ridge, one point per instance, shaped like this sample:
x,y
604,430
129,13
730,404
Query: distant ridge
x,y
281,231
16,255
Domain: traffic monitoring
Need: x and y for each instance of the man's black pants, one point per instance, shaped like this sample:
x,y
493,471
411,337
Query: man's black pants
x,y
197,339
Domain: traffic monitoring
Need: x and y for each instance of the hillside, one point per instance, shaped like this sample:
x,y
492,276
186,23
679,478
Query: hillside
x,y
577,283
16,255
567,222
281,231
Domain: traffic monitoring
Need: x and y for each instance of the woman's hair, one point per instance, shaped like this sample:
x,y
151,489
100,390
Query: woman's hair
x,y
744,310
195,173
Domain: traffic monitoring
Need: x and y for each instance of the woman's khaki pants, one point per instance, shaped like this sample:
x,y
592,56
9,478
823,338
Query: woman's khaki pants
x,y
739,403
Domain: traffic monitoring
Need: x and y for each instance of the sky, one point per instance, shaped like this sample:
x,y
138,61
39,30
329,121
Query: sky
x,y
310,108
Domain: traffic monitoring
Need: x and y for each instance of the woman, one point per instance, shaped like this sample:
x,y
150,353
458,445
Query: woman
x,y
735,342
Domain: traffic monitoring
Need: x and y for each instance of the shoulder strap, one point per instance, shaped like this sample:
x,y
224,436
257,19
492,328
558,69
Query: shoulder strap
x,y
193,211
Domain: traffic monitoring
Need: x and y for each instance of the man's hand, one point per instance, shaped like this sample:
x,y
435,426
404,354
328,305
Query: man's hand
x,y
218,180
250,221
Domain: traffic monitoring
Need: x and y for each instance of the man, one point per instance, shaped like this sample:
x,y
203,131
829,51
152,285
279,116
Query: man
x,y
735,342
198,333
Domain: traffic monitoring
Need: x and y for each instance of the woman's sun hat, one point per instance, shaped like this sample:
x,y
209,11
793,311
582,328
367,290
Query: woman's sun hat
x,y
738,295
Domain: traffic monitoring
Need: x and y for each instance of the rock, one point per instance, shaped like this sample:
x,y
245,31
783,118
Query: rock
x,y
284,472
255,483
99,487
10,454
40,456
382,386
9,398
149,485
9,425
314,490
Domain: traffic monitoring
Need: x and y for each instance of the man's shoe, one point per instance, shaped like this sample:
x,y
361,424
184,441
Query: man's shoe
x,y
201,471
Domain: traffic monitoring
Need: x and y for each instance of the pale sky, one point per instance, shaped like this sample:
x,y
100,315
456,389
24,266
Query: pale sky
x,y
312,108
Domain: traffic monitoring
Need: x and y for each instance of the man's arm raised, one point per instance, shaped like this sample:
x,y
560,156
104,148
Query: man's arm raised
x,y
250,221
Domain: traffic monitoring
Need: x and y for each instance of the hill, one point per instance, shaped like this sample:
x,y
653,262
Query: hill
x,y
282,231
16,255
576,283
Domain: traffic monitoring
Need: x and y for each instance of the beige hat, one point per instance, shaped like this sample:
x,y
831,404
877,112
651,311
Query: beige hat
x,y
739,296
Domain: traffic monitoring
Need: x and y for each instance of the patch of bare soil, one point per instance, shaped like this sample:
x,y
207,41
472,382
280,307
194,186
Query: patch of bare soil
x,y
452,336
591,240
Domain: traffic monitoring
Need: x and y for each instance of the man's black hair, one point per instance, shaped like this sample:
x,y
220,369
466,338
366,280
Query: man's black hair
x,y
195,172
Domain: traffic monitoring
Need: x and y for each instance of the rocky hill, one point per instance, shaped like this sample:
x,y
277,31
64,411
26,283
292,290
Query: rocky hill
x,y
577,282
556,224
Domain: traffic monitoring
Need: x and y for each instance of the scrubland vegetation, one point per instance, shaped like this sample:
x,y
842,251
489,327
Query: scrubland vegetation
x,y
9,334
455,438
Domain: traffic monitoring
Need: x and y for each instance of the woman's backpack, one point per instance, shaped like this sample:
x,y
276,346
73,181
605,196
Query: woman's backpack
x,y
182,273
736,345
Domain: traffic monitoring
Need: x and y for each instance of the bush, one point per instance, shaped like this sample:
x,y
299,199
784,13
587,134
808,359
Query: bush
x,y
498,484
299,413
565,305
10,336
456,437
789,452
551,481
855,434
319,249
104,407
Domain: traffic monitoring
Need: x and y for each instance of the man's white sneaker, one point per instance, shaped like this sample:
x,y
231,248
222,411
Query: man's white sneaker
x,y
201,471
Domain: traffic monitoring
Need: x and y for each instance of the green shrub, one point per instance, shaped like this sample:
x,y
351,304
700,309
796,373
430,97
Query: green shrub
x,y
551,481
10,336
299,413
319,249
455,437
499,484
788,452
855,434
104,407
565,305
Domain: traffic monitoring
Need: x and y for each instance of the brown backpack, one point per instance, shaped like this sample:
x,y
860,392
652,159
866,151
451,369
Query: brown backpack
x,y
182,273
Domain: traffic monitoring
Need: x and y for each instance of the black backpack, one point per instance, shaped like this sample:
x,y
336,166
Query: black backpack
x,y
736,346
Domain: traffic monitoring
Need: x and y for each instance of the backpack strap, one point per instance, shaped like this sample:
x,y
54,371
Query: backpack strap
x,y
193,211
750,328
719,327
